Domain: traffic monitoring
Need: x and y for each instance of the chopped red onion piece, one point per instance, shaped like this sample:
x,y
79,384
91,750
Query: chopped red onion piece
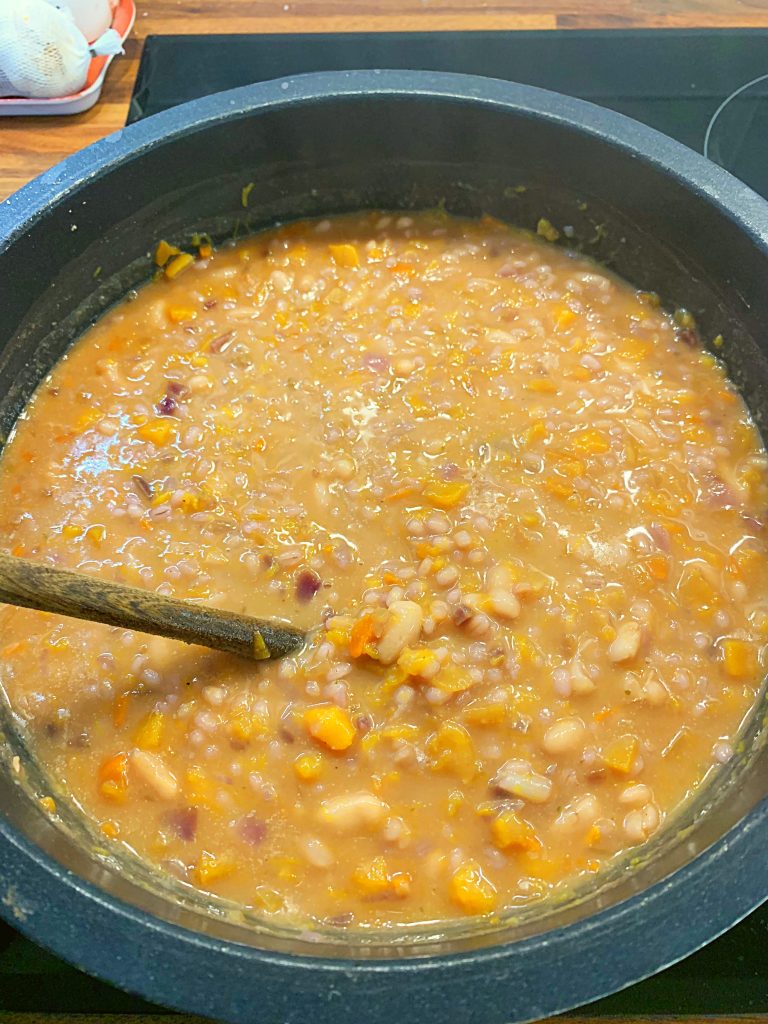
x,y
184,823
252,829
307,585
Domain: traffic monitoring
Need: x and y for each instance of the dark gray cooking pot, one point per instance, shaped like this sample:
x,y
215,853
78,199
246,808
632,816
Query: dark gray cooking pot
x,y
77,238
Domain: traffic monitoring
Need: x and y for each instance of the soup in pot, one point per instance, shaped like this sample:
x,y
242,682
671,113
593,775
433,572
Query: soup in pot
x,y
518,507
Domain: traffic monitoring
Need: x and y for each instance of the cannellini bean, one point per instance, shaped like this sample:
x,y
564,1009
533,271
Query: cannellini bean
x,y
502,592
564,736
317,853
642,823
581,684
627,642
447,577
519,779
478,625
353,812
580,812
499,577
402,628
654,692
637,793
151,770
503,603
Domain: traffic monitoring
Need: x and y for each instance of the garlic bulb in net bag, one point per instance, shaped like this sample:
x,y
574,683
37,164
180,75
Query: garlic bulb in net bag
x,y
92,17
43,54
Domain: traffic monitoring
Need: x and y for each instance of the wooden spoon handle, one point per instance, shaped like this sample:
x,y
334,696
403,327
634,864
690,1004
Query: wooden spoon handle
x,y
32,585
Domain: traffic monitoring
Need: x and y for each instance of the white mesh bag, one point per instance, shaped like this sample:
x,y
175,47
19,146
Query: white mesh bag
x,y
43,54
92,17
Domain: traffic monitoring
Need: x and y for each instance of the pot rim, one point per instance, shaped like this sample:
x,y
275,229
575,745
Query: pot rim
x,y
699,174
530,978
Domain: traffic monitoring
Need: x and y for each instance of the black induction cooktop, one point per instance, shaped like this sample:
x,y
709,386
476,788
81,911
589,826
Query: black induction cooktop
x,y
706,88
709,89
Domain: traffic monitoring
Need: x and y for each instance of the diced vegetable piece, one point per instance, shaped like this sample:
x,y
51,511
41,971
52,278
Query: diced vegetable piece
x,y
156,431
363,632
620,754
739,658
658,567
87,419
267,899
537,865
697,592
178,265
96,534
564,318
181,314
199,789
542,386
471,890
341,638
450,749
547,230
509,831
150,733
164,251
453,679
307,585
210,868
308,767
373,878
593,442
344,255
416,661
485,714
593,836
455,802
113,777
446,494
189,502
330,725
245,725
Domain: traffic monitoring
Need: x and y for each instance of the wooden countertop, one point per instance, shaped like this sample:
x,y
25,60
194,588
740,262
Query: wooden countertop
x,y
29,145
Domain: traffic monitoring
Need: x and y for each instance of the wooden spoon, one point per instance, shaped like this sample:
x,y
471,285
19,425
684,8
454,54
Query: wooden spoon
x,y
32,585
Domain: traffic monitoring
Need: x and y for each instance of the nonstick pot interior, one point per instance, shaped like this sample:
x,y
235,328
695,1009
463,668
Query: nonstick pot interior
x,y
79,238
